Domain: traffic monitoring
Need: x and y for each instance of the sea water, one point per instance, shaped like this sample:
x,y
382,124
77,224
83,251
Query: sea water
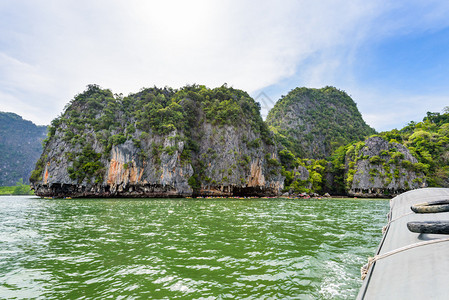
x,y
186,248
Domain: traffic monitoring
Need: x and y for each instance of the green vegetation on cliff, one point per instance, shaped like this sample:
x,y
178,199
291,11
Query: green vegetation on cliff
x,y
313,123
428,141
303,175
20,147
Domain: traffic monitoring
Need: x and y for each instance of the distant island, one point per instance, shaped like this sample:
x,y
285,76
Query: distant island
x,y
197,141
20,148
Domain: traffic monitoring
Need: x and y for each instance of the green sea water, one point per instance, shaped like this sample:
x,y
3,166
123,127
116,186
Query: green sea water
x,y
186,248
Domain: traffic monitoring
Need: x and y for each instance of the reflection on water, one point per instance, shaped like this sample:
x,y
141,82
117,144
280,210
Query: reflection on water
x,y
184,248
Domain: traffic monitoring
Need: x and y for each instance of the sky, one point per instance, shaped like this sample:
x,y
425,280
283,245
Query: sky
x,y
391,57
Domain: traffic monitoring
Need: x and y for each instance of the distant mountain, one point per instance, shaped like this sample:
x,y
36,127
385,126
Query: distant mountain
x,y
312,123
20,147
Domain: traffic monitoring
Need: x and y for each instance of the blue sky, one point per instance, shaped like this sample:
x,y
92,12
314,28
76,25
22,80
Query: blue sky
x,y
392,57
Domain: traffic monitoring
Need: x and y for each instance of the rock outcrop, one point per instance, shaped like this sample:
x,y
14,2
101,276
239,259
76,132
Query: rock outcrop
x,y
312,123
377,168
159,143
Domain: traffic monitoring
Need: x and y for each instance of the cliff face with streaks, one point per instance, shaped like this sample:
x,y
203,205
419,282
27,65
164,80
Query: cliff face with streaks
x,y
159,143
377,168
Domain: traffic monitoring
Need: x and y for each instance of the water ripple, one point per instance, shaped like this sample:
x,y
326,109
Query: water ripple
x,y
195,249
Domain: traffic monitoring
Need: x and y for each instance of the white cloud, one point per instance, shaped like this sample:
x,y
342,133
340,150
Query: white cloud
x,y
17,75
385,111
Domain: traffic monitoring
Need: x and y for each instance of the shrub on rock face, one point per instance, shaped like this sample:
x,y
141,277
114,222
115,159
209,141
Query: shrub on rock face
x,y
375,159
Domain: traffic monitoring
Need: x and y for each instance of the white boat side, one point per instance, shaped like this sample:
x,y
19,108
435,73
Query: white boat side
x,y
410,265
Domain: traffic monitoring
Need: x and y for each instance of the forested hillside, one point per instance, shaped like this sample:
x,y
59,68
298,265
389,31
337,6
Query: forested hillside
x,y
312,123
20,147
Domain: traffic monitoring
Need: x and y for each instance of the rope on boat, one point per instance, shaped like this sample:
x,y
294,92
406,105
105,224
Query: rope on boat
x,y
364,270
384,229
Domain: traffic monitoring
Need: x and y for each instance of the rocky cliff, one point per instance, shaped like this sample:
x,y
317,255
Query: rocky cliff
x,y
428,141
377,168
372,168
312,123
159,143
20,147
